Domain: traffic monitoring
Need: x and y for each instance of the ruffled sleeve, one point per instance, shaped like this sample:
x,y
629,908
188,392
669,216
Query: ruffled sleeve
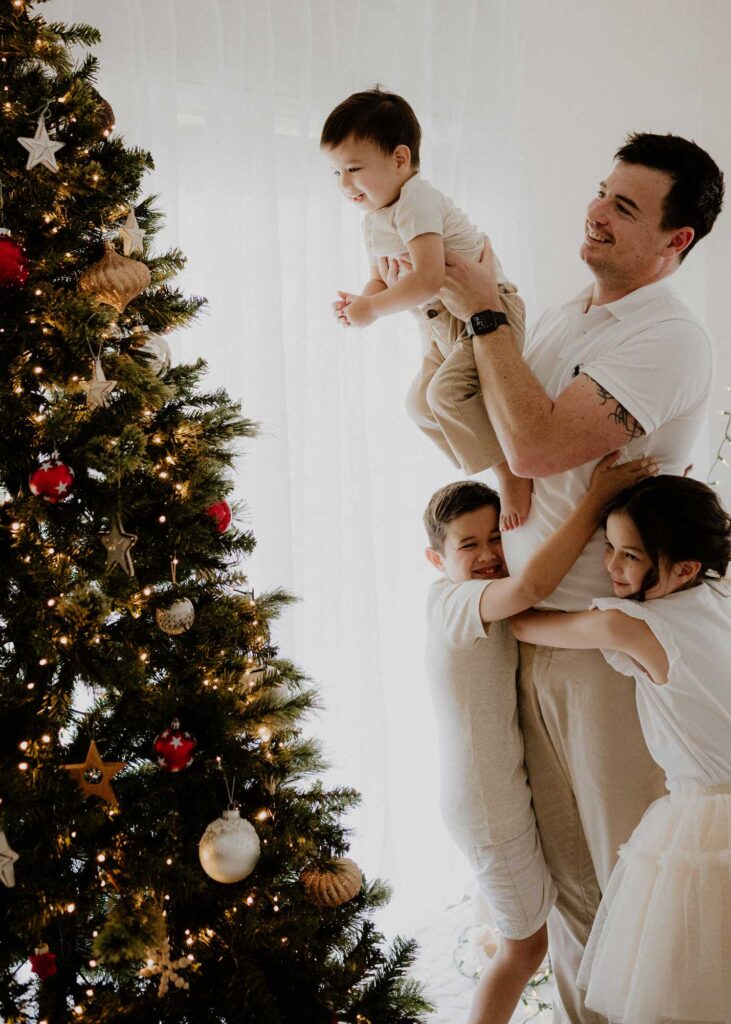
x,y
664,634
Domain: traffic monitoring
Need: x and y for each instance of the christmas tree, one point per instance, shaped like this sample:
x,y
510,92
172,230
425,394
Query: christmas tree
x,y
166,851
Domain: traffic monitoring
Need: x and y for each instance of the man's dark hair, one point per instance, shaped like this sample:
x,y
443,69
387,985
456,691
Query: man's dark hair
x,y
453,501
376,116
696,194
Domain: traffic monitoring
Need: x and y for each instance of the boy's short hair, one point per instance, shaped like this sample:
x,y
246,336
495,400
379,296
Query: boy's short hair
x,y
452,501
695,197
376,116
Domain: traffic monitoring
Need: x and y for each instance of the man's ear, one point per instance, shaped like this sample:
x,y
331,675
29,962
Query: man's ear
x,y
680,240
402,156
435,558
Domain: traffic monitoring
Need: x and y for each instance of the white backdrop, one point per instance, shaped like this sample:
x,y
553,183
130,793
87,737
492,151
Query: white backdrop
x,y
522,103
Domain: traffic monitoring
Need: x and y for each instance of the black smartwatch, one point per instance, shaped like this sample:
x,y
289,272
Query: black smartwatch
x,y
485,322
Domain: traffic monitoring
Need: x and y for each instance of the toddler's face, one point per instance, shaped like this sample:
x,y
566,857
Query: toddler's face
x,y
367,176
472,547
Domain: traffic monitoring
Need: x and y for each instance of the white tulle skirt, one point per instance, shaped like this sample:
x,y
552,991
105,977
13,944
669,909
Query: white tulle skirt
x,y
660,948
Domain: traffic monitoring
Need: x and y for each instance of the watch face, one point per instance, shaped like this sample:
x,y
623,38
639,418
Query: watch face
x,y
484,322
487,321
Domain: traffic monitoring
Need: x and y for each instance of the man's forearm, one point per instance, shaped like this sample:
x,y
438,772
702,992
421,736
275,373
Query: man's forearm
x,y
518,407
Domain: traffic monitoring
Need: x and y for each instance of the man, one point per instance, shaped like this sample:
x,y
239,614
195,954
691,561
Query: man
x,y
627,366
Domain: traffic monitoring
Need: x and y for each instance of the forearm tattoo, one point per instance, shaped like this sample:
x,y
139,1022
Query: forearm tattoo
x,y
617,412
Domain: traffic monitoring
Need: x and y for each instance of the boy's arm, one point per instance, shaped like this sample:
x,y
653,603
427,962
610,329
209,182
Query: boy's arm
x,y
375,283
426,254
553,559
610,629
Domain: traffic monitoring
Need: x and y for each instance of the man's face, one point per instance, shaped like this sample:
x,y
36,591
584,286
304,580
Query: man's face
x,y
624,245
368,177
472,547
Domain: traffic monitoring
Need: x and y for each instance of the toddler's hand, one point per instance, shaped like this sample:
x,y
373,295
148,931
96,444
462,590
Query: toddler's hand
x,y
338,307
609,480
357,310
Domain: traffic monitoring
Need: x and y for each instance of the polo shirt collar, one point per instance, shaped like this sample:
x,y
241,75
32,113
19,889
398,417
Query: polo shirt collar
x,y
628,304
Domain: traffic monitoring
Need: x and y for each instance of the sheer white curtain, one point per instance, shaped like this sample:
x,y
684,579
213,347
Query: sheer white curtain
x,y
522,103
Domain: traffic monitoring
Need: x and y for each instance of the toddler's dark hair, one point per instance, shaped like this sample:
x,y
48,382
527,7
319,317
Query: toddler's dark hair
x,y
452,501
376,116
677,519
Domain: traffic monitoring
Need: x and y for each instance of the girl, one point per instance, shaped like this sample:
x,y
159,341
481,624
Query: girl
x,y
660,948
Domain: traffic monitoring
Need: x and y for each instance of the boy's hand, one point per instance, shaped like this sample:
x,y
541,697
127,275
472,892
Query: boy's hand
x,y
356,310
608,480
337,307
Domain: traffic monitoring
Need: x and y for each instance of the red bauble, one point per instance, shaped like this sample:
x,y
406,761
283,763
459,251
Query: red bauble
x,y
43,963
53,480
174,748
13,262
220,513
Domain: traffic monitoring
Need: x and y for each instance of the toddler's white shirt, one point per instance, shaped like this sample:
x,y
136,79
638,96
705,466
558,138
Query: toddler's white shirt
x,y
419,210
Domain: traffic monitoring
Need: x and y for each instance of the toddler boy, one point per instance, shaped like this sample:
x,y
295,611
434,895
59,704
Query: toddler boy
x,y
372,141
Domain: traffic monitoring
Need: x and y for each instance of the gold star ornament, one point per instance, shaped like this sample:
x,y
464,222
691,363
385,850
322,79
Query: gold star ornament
x,y
98,389
8,858
41,148
119,544
94,775
131,234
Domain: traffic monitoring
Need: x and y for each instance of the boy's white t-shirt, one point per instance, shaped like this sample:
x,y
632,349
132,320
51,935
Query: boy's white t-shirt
x,y
656,359
472,674
419,210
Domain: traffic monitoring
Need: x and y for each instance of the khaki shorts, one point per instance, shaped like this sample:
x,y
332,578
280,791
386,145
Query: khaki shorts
x,y
516,883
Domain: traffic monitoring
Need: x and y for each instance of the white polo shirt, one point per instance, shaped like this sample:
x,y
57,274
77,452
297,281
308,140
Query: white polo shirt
x,y
656,359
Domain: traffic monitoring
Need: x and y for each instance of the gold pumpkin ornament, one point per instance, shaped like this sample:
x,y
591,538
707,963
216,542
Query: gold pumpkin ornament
x,y
115,279
333,884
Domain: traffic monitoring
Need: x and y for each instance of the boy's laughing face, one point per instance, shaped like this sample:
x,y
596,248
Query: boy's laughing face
x,y
472,547
368,177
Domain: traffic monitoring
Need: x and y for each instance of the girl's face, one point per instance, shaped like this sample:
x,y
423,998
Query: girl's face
x,y
628,563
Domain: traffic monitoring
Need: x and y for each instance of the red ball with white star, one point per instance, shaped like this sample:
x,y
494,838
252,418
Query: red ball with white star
x,y
53,480
174,748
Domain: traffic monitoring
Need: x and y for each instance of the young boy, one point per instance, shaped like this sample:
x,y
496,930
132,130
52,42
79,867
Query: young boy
x,y
372,142
472,659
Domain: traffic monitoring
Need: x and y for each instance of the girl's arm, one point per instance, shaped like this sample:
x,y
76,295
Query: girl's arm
x,y
610,629
426,254
553,559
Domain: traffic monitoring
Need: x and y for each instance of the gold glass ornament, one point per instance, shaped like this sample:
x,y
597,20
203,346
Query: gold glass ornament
x,y
115,279
331,885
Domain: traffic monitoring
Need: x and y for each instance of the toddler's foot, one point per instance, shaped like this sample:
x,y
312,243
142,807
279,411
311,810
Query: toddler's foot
x,y
515,496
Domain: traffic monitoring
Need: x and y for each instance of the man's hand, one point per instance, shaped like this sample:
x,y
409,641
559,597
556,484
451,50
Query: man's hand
x,y
470,287
608,480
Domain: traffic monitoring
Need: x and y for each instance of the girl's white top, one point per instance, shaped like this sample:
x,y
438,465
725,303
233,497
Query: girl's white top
x,y
686,721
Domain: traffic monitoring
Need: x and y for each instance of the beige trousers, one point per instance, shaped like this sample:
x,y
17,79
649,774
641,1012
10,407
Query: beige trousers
x,y
592,779
445,399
